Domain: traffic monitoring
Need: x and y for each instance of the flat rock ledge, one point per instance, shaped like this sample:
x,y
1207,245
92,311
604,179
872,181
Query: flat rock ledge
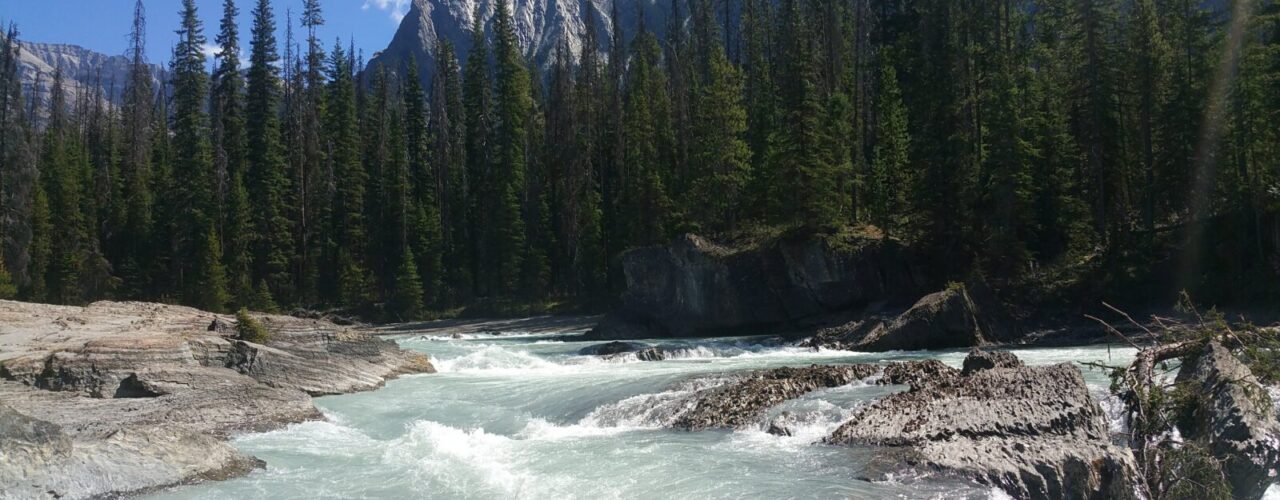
x,y
1033,432
120,398
743,402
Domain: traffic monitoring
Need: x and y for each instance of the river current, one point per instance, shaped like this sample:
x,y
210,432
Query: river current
x,y
520,415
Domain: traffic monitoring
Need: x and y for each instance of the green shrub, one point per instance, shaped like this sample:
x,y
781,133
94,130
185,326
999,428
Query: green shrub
x,y
249,329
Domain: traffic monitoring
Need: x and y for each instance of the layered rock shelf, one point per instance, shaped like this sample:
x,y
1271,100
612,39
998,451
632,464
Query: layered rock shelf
x,y
124,397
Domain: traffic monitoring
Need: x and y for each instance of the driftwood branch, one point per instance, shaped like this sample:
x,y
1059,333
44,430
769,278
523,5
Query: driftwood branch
x,y
1112,330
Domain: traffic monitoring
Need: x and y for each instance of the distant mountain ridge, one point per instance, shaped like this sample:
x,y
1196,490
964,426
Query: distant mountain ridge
x,y
82,69
540,26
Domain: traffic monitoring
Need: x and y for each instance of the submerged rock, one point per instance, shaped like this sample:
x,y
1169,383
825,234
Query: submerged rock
x,y
1235,418
620,350
119,397
694,287
783,425
1033,432
742,402
611,348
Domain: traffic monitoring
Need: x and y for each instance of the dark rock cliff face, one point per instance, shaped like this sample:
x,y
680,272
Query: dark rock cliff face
x,y
694,287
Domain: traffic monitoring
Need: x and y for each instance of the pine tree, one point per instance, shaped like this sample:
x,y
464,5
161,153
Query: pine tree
x,y
1148,53
41,249
8,289
239,227
535,198
719,151
407,296
132,251
449,155
420,186
59,163
266,180
646,127
18,175
759,96
229,149
805,193
203,278
315,184
506,237
588,255
891,154
478,108
350,282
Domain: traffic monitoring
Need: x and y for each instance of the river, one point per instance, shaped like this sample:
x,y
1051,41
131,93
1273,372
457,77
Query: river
x,y
521,415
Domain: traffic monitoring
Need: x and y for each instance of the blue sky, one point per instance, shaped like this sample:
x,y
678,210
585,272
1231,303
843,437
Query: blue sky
x,y
103,25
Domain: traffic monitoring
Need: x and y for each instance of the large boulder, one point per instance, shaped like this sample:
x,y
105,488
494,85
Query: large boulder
x,y
744,401
1236,420
979,360
960,316
1033,432
693,287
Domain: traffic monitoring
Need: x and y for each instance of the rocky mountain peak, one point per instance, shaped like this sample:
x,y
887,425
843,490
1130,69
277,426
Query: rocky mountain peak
x,y
540,26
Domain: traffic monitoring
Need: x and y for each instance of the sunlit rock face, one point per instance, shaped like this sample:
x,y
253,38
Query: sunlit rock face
x,y
541,26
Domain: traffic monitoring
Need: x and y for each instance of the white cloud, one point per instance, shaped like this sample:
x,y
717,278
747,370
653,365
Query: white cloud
x,y
396,8
210,50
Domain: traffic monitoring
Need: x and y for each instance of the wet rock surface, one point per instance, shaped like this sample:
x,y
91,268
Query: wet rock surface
x,y
743,402
1236,420
625,350
120,397
1033,432
611,348
694,287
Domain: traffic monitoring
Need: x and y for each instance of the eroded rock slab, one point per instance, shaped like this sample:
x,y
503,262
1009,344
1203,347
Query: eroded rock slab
x,y
1033,432
120,397
1236,419
960,316
742,403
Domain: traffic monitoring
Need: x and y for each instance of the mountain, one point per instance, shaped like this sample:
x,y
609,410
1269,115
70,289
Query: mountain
x,y
82,70
540,26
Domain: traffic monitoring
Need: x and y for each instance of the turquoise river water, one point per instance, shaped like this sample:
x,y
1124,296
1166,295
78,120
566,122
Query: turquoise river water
x,y
519,415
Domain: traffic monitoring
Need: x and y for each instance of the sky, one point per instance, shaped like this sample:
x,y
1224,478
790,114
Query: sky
x,y
103,25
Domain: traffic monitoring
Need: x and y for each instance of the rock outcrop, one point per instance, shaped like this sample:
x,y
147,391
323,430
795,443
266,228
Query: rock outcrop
x,y
743,402
621,350
1033,432
960,316
120,397
917,373
1235,419
979,360
694,287
611,348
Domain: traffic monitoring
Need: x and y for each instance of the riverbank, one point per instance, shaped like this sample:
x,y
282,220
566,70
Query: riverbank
x,y
125,397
